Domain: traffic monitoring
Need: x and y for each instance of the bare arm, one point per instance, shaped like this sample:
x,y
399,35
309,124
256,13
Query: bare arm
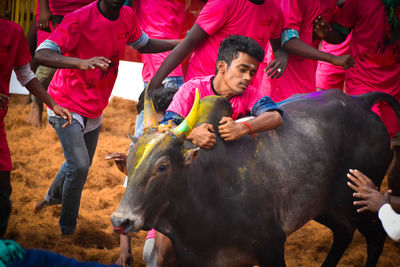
x,y
194,37
45,15
51,58
158,46
231,130
299,48
36,88
369,197
125,258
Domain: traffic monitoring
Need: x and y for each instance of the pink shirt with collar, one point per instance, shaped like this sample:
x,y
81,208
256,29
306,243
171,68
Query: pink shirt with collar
x,y
184,98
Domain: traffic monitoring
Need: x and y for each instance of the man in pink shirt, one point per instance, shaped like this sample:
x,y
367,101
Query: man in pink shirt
x,y
237,63
49,13
329,76
375,47
83,83
15,54
299,41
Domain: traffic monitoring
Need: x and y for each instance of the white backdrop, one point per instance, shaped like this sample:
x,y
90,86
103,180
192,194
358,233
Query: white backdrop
x,y
129,83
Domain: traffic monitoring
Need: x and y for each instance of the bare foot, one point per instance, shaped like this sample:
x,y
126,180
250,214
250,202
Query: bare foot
x,y
39,206
35,115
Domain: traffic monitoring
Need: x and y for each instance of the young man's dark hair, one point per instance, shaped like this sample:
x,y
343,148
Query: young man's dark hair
x,y
231,46
162,97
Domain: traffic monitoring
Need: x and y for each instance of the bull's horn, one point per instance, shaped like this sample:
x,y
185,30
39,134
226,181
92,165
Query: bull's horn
x,y
150,117
186,126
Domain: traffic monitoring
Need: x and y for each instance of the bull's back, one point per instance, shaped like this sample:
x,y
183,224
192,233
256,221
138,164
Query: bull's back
x,y
299,170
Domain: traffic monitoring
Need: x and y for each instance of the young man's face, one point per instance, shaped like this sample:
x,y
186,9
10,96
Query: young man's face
x,y
238,75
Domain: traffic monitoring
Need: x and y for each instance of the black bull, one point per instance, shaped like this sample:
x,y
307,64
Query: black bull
x,y
235,204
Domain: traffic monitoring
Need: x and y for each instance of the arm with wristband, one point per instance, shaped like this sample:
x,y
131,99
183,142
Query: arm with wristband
x,y
267,116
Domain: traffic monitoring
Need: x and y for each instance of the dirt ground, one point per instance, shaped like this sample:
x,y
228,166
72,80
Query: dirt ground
x,y
37,156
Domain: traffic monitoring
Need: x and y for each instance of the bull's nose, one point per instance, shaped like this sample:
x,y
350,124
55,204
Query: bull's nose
x,y
124,222
118,224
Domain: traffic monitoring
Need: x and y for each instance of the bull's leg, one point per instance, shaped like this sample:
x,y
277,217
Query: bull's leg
x,y
342,236
272,252
375,235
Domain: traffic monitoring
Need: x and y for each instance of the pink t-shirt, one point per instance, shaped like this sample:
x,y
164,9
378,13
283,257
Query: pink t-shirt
x,y
61,8
86,33
377,61
184,98
160,19
221,18
329,76
14,53
299,76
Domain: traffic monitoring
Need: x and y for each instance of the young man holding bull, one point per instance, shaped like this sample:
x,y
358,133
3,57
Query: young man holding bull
x,y
237,63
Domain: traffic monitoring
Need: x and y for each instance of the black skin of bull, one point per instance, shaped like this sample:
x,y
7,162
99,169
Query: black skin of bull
x,y
235,204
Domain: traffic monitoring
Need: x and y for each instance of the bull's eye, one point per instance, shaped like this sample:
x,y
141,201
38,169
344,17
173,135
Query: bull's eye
x,y
162,168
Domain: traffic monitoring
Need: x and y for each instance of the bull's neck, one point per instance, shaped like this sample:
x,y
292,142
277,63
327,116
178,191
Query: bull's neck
x,y
197,203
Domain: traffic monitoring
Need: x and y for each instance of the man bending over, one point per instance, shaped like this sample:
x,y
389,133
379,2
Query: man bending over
x,y
237,63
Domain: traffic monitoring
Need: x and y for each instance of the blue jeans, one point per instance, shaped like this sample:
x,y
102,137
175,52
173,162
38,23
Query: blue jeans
x,y
175,81
67,186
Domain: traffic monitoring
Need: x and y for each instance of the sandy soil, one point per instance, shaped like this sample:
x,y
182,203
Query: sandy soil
x,y
37,156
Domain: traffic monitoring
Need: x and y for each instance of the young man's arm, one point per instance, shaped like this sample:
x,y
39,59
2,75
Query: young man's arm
x,y
372,200
267,117
28,79
230,130
180,52
367,190
51,58
158,46
299,48
45,15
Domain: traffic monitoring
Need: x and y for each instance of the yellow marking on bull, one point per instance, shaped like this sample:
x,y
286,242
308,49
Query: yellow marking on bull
x,y
145,149
242,171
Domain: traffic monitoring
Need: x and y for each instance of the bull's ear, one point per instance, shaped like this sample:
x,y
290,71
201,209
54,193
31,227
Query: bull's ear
x,y
134,139
190,155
